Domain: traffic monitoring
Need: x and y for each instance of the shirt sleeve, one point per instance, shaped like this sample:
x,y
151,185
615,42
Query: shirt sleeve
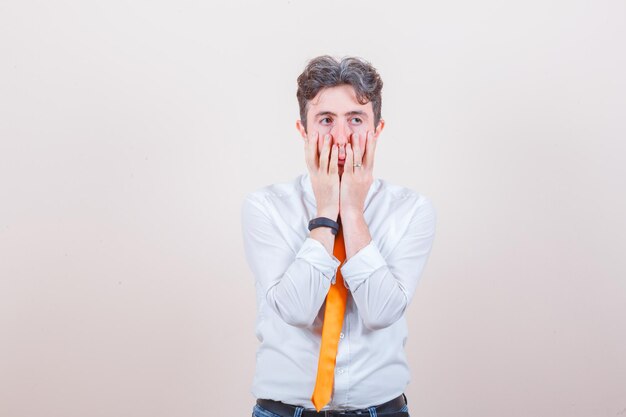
x,y
295,284
383,287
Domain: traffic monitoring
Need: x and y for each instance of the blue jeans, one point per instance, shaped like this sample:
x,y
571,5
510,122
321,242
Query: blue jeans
x,y
258,411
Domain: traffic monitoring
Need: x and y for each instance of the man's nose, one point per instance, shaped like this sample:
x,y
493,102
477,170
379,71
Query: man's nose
x,y
341,134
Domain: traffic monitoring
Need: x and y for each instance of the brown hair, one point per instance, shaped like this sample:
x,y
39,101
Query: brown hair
x,y
326,71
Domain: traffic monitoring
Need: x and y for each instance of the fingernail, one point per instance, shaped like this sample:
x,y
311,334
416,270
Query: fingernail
x,y
326,138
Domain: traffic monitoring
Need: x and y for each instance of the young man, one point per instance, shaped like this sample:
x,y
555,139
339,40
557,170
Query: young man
x,y
336,255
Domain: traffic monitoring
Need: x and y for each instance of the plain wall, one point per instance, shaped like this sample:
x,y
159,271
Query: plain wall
x,y
130,133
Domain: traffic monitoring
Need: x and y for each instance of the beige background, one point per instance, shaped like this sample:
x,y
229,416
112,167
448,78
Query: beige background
x,y
131,131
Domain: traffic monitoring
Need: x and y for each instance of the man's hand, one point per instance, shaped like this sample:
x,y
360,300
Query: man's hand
x,y
324,174
356,181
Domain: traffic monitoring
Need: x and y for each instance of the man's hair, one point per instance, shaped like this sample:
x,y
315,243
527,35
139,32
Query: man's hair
x,y
326,71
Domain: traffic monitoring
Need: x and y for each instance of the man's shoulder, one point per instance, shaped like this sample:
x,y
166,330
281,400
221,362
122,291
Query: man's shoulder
x,y
399,194
405,207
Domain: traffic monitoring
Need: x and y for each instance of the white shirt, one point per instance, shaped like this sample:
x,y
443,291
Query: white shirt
x,y
293,273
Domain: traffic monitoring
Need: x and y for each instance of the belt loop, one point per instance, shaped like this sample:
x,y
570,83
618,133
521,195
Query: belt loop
x,y
372,411
298,412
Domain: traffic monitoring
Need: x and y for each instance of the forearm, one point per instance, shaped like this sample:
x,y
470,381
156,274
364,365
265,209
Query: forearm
x,y
299,294
380,299
382,286
377,294
356,233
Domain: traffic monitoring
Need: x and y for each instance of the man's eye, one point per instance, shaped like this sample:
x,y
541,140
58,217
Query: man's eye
x,y
356,120
325,120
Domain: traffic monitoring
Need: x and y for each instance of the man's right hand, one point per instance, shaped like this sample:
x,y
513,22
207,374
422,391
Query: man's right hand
x,y
324,174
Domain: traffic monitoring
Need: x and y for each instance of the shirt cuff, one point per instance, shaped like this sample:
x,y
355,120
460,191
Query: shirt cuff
x,y
356,270
313,252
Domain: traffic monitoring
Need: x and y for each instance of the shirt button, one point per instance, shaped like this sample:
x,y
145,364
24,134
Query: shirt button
x,y
341,335
340,371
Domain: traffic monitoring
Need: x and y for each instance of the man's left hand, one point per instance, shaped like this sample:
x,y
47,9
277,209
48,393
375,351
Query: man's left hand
x,y
356,180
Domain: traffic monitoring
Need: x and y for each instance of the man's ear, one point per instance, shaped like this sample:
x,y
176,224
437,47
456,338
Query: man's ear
x,y
379,128
301,128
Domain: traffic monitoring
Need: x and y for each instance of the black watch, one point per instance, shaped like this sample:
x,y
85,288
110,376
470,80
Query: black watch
x,y
324,222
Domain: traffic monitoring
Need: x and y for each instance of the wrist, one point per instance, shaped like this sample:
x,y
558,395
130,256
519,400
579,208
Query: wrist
x,y
319,222
330,214
351,213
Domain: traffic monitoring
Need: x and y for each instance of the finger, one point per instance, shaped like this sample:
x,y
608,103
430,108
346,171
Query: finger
x,y
324,154
349,165
334,157
370,150
310,151
356,149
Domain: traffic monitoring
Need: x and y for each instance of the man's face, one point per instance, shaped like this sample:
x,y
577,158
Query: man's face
x,y
336,111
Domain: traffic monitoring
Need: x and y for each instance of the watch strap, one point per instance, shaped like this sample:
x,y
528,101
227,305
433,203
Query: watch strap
x,y
324,222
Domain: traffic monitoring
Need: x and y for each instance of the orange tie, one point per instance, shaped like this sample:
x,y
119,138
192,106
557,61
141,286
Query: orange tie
x,y
333,321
